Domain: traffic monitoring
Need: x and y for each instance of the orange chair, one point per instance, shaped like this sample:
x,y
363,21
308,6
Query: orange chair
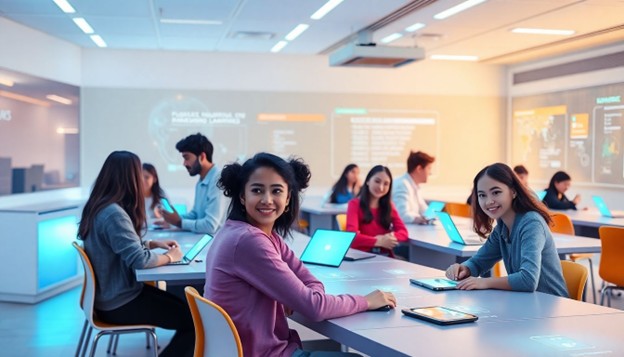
x,y
575,276
215,333
611,260
341,220
458,209
561,223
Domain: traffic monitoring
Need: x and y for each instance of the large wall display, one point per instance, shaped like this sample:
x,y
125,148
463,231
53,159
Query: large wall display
x,y
579,131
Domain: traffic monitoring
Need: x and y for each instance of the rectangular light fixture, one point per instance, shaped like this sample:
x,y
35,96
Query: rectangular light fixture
x,y
278,46
329,6
6,82
98,40
533,31
67,130
454,58
59,99
65,6
296,32
83,24
391,37
190,22
457,9
24,98
415,27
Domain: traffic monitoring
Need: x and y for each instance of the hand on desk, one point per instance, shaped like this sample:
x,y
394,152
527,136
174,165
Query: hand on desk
x,y
379,298
457,272
165,244
162,224
171,218
387,241
174,253
422,220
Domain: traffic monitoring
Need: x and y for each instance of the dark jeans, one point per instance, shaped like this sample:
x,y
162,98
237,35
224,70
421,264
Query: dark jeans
x,y
158,308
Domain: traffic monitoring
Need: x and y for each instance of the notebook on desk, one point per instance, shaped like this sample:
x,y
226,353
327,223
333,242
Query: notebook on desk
x,y
327,247
604,210
194,251
468,238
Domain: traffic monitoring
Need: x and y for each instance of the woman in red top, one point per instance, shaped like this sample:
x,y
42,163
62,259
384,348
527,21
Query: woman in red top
x,y
375,220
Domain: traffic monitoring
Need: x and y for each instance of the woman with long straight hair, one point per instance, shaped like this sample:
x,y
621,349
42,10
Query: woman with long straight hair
x,y
110,228
375,219
521,238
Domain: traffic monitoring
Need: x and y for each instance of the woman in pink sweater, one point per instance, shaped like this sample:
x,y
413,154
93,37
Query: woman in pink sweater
x,y
251,272
373,217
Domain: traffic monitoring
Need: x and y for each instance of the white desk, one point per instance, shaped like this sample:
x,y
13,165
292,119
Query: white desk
x,y
507,320
319,215
430,245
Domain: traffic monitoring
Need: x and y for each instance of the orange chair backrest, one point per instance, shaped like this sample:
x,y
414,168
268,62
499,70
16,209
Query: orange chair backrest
x,y
458,209
612,255
341,219
575,276
561,223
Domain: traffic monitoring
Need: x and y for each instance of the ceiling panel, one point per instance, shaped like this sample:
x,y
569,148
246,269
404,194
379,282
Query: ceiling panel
x,y
482,31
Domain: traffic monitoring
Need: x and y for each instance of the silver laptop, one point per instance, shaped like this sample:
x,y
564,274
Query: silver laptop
x,y
604,210
468,238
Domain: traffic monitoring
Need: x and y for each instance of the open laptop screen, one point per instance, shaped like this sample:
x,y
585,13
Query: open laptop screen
x,y
327,247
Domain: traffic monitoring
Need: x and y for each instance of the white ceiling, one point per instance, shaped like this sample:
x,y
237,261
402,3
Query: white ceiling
x,y
481,31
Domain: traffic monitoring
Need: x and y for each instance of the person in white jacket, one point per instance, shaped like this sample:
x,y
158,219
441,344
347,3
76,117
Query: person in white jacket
x,y
406,193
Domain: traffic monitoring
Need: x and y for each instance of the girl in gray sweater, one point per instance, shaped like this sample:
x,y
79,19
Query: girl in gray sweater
x,y
111,225
521,238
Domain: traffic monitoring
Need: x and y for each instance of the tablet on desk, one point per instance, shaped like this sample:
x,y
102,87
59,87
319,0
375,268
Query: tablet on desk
x,y
440,315
436,284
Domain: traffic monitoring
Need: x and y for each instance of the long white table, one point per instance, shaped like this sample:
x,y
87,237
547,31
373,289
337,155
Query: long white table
x,y
430,245
320,215
510,323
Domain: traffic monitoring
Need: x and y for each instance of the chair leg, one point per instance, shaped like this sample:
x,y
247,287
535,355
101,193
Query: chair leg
x,y
155,342
147,340
109,349
86,343
94,344
82,336
115,344
593,283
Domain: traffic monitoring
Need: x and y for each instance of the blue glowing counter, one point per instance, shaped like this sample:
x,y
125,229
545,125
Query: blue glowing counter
x,y
37,259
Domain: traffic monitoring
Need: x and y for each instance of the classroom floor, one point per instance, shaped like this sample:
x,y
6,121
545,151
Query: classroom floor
x,y
52,327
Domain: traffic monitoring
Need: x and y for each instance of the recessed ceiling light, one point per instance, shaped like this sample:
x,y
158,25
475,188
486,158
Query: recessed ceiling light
x,y
391,37
278,46
6,82
296,32
454,58
534,31
329,6
65,6
457,9
415,27
59,99
83,24
98,40
190,22
67,130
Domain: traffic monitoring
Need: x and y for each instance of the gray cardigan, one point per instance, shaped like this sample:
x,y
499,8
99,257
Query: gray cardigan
x,y
529,255
115,251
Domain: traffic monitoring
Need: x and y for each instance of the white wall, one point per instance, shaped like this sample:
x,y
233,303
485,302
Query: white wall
x,y
29,51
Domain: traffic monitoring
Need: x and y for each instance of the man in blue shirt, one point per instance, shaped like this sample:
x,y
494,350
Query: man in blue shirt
x,y
210,206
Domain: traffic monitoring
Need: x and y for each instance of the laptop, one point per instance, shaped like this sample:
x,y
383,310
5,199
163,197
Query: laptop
x,y
433,209
327,247
604,210
453,233
354,254
194,251
541,194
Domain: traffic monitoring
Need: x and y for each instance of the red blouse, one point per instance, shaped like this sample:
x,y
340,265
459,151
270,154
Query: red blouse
x,y
366,232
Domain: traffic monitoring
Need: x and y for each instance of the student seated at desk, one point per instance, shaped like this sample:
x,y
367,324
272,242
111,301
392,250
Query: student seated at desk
x,y
152,191
521,238
523,176
375,219
251,272
555,193
347,186
110,227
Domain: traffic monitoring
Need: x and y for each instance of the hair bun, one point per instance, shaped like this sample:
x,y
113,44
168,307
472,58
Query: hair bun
x,y
301,171
228,182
